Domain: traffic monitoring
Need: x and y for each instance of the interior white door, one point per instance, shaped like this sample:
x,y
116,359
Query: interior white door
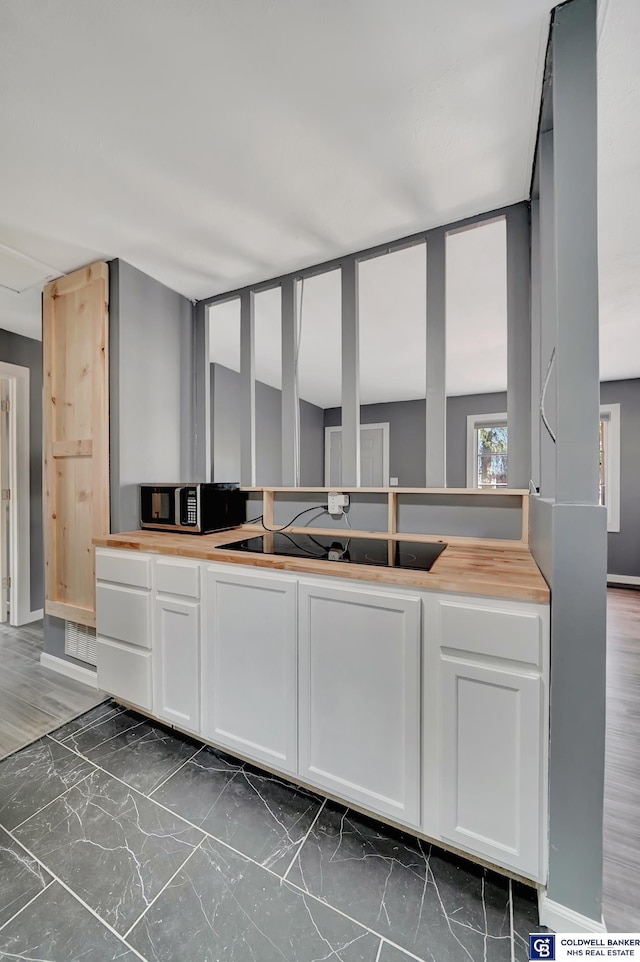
x,y
374,456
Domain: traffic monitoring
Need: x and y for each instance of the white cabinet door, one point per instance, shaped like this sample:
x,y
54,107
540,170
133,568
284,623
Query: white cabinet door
x,y
249,697
359,698
485,730
490,762
176,660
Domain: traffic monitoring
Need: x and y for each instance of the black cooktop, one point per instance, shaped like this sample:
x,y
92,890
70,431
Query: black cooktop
x,y
361,551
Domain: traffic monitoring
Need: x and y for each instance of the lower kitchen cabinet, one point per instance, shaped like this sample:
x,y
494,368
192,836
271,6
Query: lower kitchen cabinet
x,y
426,708
359,696
124,671
249,665
484,693
176,656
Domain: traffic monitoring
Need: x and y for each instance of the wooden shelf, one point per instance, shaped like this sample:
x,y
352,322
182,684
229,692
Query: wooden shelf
x,y
390,536
391,496
471,492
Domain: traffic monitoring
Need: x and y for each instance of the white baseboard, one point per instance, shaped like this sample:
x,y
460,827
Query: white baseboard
x,y
86,675
560,918
623,580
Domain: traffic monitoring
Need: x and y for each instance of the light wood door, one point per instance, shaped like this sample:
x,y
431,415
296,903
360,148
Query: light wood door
x,y
176,662
359,696
490,762
249,697
76,437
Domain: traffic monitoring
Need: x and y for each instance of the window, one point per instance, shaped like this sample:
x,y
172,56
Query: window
x,y
610,463
487,451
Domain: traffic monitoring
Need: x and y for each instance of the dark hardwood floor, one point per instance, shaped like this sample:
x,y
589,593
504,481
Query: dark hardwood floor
x,y
621,894
34,700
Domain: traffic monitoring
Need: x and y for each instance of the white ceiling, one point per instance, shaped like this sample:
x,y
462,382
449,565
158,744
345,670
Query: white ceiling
x,y
212,144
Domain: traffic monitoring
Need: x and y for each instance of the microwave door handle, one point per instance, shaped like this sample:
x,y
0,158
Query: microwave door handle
x,y
176,519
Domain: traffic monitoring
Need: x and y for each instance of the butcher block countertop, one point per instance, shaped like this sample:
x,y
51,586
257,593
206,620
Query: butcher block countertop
x,y
500,570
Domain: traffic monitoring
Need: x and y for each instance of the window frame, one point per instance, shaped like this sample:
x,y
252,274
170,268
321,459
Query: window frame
x,y
610,413
474,422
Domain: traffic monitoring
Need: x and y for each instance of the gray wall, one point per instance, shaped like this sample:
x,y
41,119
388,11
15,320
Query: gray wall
x,y
407,436
624,545
24,351
225,427
151,388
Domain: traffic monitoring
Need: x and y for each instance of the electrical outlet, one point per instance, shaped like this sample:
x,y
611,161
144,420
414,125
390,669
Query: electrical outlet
x,y
393,482
337,502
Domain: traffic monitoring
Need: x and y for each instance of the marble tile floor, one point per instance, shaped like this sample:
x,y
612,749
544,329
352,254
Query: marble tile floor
x,y
121,839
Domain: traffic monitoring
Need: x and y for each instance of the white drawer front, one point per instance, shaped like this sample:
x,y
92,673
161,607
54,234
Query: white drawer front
x,y
178,577
125,672
123,567
123,614
510,635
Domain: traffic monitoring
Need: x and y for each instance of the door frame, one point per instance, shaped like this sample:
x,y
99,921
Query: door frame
x,y
19,569
328,431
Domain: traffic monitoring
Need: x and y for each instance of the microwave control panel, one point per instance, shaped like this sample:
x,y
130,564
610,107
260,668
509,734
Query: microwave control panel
x,y
190,507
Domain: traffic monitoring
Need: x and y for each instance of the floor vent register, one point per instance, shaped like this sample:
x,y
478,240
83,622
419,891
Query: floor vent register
x,y
80,642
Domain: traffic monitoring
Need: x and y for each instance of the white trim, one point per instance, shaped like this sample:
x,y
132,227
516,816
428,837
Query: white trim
x,y
384,427
623,580
19,507
560,918
70,669
474,421
611,414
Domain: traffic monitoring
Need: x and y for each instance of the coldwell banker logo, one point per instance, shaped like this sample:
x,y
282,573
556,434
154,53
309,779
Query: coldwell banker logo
x,y
542,947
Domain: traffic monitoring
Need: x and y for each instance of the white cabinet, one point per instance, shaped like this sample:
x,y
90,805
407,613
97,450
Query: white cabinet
x,y
429,709
123,625
176,660
359,696
485,697
249,665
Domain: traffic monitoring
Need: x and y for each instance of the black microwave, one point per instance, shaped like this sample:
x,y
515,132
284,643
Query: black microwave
x,y
192,508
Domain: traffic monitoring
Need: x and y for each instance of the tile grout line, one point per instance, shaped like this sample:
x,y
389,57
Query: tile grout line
x,y
409,954
57,798
106,740
247,858
30,902
513,940
64,885
299,848
85,728
179,768
165,886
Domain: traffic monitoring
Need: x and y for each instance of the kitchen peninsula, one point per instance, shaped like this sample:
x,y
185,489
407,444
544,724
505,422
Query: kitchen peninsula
x,y
419,697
